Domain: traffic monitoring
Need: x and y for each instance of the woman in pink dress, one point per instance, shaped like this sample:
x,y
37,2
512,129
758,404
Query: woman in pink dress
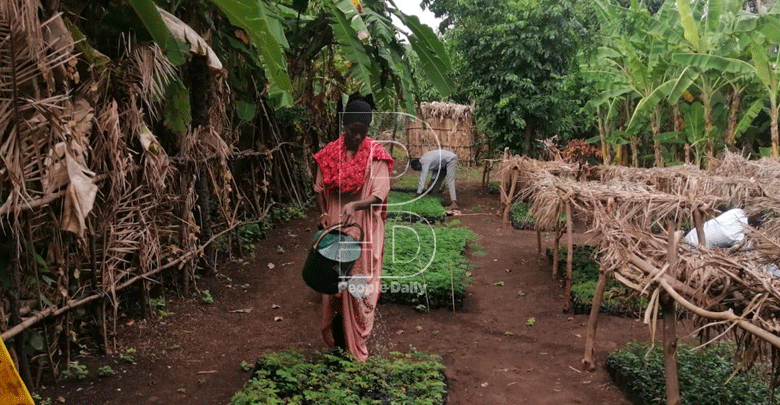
x,y
352,184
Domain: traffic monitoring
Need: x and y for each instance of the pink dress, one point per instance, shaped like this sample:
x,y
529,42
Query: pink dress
x,y
358,313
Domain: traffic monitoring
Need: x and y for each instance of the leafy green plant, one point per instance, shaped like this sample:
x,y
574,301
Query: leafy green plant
x,y
39,400
245,366
105,371
436,272
522,219
401,204
127,356
76,370
292,378
205,297
160,307
706,376
617,298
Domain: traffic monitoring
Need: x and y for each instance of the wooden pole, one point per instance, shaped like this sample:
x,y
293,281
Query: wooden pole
x,y
511,196
556,248
588,362
569,258
698,221
539,241
670,326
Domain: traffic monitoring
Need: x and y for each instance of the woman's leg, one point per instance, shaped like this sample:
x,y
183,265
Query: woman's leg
x,y
338,332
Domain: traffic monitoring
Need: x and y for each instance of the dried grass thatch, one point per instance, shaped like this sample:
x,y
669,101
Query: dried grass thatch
x,y
92,200
442,125
725,288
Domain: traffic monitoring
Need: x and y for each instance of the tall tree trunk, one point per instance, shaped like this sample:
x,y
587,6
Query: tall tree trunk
x,y
678,124
634,151
775,138
200,90
529,131
708,133
603,121
734,100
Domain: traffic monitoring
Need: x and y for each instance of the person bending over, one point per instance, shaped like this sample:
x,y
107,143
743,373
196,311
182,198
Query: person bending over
x,y
442,165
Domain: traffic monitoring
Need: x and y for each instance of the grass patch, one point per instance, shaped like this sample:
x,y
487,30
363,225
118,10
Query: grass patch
x,y
617,299
292,378
409,248
705,376
429,208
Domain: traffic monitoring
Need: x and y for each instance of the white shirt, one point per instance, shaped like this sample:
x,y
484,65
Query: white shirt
x,y
725,230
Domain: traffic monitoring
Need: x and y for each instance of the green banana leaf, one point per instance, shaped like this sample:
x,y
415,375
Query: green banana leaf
x,y
648,103
714,12
763,71
694,122
267,36
362,69
690,28
433,57
176,51
713,62
747,118
684,81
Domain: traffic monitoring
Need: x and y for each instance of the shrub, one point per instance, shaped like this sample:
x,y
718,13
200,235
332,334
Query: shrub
x,y
707,376
325,379
409,248
429,208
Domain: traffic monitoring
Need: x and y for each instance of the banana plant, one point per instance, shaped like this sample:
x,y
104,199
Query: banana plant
x,y
710,58
363,32
766,70
641,60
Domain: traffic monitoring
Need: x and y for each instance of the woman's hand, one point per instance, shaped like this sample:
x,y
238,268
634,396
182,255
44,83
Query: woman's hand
x,y
324,221
348,212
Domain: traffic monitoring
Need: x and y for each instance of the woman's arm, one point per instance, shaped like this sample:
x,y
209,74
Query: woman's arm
x,y
319,199
348,210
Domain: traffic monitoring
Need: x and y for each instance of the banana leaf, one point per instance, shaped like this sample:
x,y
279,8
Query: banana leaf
x,y
266,34
176,51
430,50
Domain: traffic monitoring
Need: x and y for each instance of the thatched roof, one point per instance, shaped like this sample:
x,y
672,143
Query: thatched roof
x,y
460,113
724,287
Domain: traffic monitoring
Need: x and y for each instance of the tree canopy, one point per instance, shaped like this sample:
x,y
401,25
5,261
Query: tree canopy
x,y
513,60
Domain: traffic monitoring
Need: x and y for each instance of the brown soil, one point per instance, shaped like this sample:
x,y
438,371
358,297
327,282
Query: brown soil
x,y
492,355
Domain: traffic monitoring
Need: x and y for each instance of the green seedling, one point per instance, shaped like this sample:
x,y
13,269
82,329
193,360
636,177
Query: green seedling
x,y
105,371
498,283
530,322
206,298
76,370
127,356
245,366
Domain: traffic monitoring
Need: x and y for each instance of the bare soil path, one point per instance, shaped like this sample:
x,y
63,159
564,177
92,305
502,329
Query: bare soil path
x,y
492,355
